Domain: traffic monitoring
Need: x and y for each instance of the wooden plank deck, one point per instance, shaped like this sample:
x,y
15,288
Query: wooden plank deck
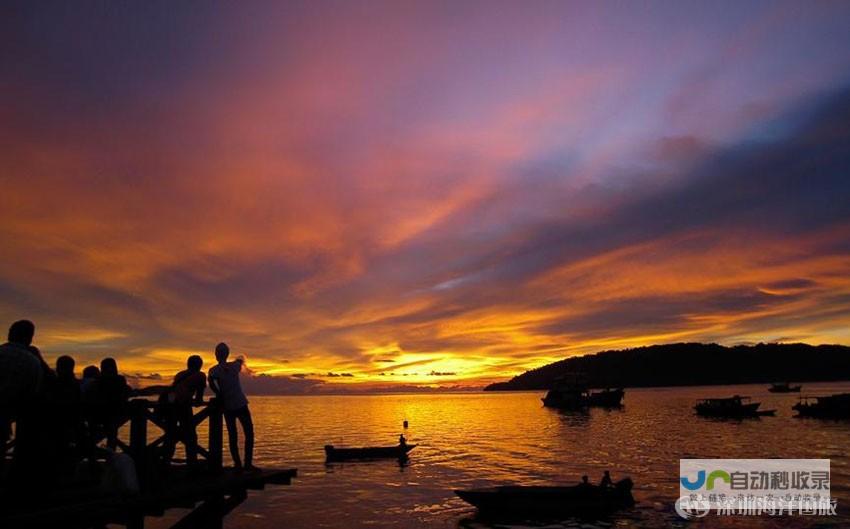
x,y
217,493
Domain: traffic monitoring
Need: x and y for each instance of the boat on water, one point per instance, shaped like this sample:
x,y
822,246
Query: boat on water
x,y
831,407
545,501
784,387
735,407
572,394
575,399
334,454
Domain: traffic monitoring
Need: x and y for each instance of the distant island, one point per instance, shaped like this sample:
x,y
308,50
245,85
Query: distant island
x,y
693,364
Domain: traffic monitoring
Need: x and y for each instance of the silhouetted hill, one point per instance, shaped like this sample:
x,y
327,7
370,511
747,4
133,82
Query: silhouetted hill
x,y
694,364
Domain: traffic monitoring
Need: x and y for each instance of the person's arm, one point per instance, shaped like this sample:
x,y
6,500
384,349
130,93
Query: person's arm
x,y
214,385
199,392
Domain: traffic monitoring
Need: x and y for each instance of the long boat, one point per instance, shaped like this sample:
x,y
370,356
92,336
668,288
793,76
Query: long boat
x,y
546,501
831,407
333,454
735,407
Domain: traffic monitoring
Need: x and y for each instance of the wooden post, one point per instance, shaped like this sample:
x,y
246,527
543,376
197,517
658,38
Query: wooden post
x,y
139,439
216,443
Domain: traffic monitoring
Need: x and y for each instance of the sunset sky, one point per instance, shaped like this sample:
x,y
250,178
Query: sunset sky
x,y
421,193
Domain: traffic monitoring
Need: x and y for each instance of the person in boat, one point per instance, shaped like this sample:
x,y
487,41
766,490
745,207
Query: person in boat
x,y
402,442
224,381
187,389
606,480
585,482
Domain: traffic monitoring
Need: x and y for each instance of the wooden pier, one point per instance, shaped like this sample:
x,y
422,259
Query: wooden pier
x,y
209,490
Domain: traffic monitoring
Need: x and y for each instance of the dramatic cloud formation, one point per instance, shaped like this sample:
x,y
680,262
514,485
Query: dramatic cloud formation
x,y
421,194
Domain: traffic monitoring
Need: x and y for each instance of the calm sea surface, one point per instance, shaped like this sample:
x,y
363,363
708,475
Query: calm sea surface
x,y
482,439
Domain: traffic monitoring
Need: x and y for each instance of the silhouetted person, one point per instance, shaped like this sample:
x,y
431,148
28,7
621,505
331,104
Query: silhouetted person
x,y
402,442
22,395
188,388
585,481
224,381
89,381
88,394
21,379
65,407
89,412
606,480
112,394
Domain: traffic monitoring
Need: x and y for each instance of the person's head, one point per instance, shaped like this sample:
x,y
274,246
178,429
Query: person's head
x,y
21,332
194,363
584,479
91,372
222,351
108,366
65,366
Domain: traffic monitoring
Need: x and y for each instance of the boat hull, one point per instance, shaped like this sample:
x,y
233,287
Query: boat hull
x,y
738,412
333,454
548,501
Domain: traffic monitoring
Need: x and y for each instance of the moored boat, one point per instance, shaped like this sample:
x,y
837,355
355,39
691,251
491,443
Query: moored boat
x,y
572,394
550,500
831,407
734,407
334,454
784,387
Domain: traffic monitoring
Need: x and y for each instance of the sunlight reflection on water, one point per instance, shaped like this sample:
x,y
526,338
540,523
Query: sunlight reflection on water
x,y
468,440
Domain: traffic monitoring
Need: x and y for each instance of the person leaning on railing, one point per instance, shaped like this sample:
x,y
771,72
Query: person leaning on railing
x,y
224,381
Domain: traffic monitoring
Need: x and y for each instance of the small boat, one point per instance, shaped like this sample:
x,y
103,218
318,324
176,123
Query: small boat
x,y
333,454
831,407
735,407
550,500
784,387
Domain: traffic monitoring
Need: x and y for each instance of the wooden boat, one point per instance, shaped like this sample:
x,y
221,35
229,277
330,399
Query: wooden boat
x,y
784,387
831,407
735,407
548,501
333,454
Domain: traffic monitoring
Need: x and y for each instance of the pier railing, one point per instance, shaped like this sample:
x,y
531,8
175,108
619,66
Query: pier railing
x,y
143,413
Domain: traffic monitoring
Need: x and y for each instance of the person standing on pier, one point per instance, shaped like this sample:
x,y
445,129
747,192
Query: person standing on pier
x,y
224,381
187,390
113,392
